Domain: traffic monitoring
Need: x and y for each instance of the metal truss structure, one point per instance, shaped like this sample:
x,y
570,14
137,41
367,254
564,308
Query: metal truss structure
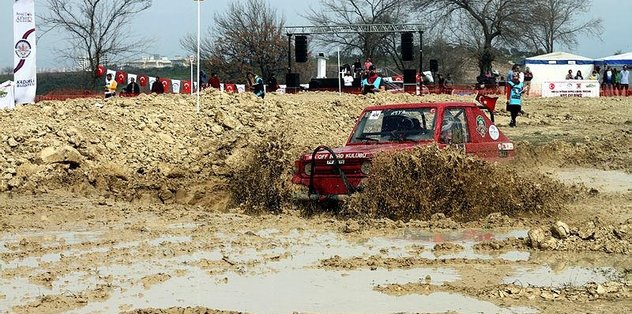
x,y
353,28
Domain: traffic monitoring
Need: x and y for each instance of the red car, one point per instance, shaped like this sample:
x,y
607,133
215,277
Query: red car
x,y
333,172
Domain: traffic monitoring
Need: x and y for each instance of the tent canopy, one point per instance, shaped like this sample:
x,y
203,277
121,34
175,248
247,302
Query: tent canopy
x,y
559,58
622,59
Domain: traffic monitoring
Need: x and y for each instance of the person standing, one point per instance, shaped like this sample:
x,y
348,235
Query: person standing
x,y
259,88
608,79
214,81
132,88
515,98
157,87
357,68
625,80
528,76
110,86
569,75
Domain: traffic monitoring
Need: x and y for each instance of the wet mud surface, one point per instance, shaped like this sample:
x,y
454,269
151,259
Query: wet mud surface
x,y
140,222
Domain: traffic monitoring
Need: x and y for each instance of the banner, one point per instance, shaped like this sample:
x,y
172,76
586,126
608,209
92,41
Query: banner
x,y
176,86
570,88
7,98
25,71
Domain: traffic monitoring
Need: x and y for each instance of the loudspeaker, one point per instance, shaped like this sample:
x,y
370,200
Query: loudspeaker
x,y
410,76
434,65
300,48
407,46
292,80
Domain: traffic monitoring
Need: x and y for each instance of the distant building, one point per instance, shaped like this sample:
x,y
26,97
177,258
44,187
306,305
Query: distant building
x,y
152,62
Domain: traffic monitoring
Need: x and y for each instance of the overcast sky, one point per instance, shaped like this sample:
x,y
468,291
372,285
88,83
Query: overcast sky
x,y
166,22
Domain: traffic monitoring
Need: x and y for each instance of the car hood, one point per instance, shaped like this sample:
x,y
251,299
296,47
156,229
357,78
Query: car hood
x,y
362,151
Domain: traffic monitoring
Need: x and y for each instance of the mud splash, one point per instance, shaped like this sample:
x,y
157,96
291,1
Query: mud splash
x,y
429,180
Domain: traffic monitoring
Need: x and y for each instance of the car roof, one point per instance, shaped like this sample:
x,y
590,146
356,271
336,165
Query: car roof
x,y
420,105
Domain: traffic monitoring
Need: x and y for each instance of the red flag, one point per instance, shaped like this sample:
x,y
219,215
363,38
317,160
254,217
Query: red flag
x,y
166,83
143,80
100,70
231,88
186,87
121,77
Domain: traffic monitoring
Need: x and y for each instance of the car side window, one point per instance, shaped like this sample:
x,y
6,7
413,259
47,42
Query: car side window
x,y
454,127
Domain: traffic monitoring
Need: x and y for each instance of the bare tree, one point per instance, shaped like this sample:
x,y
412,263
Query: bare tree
x,y
481,25
95,28
551,22
352,12
247,37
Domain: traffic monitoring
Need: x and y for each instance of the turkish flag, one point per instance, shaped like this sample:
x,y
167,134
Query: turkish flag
x,y
100,70
143,80
231,88
186,87
166,83
121,77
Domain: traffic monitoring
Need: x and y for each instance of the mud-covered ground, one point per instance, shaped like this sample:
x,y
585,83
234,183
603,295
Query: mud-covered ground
x,y
124,206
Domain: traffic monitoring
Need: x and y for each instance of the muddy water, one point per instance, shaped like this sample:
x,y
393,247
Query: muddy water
x,y
610,181
281,278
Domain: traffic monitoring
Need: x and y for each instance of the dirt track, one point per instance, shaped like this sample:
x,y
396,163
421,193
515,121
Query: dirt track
x,y
123,205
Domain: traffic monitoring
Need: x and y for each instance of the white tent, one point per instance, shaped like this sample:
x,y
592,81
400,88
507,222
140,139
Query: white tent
x,y
617,60
7,95
554,67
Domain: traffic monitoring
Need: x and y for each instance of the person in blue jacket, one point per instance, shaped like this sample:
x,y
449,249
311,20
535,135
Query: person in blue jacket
x,y
515,98
372,82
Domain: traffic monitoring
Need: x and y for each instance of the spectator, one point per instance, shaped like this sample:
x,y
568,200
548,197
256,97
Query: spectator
x,y
372,83
625,80
579,75
157,87
203,78
250,81
214,81
357,68
110,86
528,76
132,88
367,64
616,74
348,79
258,87
594,76
273,85
515,99
608,79
569,75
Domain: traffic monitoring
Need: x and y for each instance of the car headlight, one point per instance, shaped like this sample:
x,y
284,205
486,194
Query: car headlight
x,y
308,168
366,167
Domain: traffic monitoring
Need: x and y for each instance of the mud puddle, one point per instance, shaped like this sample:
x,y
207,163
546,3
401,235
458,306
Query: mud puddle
x,y
545,276
275,271
610,181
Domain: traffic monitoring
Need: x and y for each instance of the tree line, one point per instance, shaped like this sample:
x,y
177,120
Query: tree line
x,y
250,35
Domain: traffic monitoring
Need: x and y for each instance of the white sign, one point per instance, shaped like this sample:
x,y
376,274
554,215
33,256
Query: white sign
x,y
493,132
25,72
570,88
7,98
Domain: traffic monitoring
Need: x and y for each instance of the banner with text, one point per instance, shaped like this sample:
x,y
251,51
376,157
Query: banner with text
x,y
25,71
570,88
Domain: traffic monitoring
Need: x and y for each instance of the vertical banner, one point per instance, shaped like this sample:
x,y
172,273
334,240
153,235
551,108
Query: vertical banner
x,y
7,98
25,71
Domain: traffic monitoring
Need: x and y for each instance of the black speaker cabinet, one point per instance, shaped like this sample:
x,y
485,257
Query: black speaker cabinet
x,y
300,48
410,76
292,80
407,46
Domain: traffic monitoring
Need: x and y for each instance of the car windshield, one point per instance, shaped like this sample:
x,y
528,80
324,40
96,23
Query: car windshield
x,y
395,125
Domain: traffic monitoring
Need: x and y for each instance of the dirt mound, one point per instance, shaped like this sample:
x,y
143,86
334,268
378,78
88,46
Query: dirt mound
x,y
419,183
157,148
